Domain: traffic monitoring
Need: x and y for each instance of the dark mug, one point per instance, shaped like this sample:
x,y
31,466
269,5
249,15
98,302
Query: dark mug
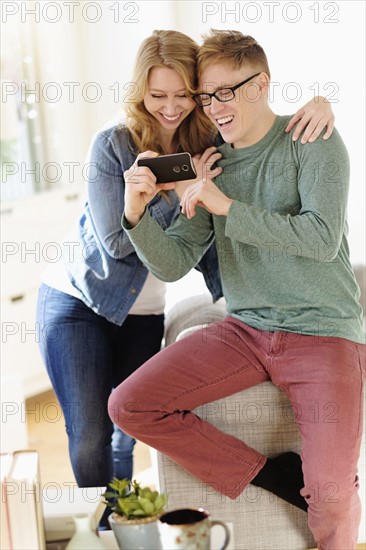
x,y
188,529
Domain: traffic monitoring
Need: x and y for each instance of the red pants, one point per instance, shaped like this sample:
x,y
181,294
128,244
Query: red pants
x,y
323,378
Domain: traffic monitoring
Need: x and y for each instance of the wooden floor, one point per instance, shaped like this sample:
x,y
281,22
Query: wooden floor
x,y
46,431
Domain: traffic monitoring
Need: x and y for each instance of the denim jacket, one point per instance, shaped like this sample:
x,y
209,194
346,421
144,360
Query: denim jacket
x,y
99,257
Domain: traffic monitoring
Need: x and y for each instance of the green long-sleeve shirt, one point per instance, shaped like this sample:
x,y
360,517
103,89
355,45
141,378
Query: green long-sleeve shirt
x,y
283,252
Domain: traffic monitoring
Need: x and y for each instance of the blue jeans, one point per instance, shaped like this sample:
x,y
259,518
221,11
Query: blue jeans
x,y
86,356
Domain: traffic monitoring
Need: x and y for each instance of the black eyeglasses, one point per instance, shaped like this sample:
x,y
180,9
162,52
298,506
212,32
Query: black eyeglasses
x,y
223,94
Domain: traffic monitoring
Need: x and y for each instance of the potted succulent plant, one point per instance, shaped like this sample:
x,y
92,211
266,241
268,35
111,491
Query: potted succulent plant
x,y
135,511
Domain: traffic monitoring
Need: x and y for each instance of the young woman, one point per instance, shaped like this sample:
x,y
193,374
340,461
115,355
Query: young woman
x,y
100,311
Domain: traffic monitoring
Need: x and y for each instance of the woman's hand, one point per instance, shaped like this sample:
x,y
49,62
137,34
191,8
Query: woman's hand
x,y
141,188
203,165
315,116
205,194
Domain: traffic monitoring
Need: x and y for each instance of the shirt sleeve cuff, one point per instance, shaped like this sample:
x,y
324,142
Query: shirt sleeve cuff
x,y
126,224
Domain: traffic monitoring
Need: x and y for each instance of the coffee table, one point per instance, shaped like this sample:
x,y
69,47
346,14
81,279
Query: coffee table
x,y
217,537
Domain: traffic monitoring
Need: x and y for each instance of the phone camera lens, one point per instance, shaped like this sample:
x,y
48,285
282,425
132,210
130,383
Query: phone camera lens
x,y
185,168
176,169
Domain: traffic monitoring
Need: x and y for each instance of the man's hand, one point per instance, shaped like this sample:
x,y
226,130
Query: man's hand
x,y
203,164
141,188
205,194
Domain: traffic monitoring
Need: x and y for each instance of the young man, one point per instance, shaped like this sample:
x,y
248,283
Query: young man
x,y
278,213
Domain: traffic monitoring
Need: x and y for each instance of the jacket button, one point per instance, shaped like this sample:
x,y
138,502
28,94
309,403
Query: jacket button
x,y
133,290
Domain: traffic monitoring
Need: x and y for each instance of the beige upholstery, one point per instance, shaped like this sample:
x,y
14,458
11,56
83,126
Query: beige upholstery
x,y
190,312
263,418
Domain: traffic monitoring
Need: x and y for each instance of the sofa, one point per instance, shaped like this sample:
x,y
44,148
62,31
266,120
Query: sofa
x,y
263,417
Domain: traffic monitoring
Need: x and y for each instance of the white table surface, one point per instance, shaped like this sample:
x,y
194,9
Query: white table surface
x,y
217,537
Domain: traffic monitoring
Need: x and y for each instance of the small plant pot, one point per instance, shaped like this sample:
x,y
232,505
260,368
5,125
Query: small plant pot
x,y
136,534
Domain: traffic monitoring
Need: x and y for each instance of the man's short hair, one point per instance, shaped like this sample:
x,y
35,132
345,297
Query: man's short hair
x,y
234,48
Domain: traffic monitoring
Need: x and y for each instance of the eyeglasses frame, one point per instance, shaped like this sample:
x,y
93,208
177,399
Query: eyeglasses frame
x,y
196,97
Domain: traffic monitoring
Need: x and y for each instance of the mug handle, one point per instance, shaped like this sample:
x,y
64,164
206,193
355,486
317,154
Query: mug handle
x,y
227,532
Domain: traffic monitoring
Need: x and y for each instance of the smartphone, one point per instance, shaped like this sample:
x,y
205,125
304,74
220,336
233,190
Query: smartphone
x,y
167,168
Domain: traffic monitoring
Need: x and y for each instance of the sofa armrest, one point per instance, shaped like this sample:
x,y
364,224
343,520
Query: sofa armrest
x,y
194,311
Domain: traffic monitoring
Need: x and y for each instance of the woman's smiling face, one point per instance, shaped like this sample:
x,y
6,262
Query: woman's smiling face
x,y
166,98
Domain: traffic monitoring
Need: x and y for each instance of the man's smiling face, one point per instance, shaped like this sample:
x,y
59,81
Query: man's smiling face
x,y
235,119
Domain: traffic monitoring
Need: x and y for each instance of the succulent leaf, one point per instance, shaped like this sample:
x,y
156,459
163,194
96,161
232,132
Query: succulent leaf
x,y
131,500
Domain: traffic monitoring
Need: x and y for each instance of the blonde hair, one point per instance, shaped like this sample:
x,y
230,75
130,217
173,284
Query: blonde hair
x,y
177,51
232,47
